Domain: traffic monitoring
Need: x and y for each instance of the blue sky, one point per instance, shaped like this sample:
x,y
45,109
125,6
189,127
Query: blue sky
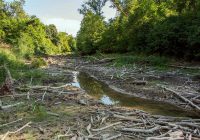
x,y
62,13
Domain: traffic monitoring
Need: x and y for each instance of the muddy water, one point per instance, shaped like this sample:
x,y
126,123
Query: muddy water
x,y
106,95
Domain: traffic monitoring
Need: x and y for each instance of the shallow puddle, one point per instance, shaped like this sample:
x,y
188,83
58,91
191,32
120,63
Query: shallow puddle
x,y
108,96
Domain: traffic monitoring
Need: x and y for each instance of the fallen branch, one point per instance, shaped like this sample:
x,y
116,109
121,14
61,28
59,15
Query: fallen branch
x,y
103,128
53,114
127,118
9,106
152,130
114,137
188,124
184,67
10,123
181,97
14,132
160,136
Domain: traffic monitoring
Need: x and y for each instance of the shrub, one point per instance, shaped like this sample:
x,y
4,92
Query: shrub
x,y
38,62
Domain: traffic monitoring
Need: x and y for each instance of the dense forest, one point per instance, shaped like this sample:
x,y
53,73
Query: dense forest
x,y
27,36
152,27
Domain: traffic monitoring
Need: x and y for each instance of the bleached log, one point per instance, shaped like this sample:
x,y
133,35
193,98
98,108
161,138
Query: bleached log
x,y
9,106
53,114
181,97
88,129
127,118
6,124
106,127
184,67
188,124
114,137
14,132
152,130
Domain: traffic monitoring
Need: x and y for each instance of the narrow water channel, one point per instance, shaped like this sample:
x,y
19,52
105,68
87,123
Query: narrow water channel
x,y
108,96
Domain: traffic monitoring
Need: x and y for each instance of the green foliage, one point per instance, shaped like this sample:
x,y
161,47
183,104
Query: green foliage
x,y
39,113
113,39
11,61
181,37
165,28
18,69
141,59
27,34
64,43
90,34
38,62
94,6
72,43
52,34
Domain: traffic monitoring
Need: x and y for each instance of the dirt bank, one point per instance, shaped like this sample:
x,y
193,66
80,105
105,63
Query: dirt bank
x,y
143,81
55,109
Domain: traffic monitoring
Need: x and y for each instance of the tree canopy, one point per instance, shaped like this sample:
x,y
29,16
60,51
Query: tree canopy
x,y
27,34
160,27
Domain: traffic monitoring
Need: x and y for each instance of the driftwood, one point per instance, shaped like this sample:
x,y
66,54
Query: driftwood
x,y
53,114
127,118
152,130
6,124
14,132
114,137
181,97
188,124
65,135
88,129
10,106
106,127
184,67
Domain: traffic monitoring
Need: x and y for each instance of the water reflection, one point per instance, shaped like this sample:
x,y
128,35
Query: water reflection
x,y
108,96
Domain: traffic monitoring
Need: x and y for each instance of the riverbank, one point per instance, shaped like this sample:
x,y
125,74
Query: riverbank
x,y
144,81
58,109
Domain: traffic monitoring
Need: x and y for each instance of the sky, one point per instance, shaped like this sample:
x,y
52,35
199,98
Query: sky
x,y
63,13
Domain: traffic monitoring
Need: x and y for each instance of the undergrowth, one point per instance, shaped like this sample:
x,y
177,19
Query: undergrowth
x,y
18,69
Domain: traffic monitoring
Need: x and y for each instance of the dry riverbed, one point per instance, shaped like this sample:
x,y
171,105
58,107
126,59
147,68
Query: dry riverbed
x,y
176,86
59,109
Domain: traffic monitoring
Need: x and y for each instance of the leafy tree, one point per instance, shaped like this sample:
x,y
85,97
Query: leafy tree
x,y
16,9
72,43
52,33
113,39
64,42
94,6
27,34
164,27
90,34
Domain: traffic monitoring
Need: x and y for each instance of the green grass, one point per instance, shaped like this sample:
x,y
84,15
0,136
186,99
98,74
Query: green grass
x,y
38,62
39,113
132,59
18,69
